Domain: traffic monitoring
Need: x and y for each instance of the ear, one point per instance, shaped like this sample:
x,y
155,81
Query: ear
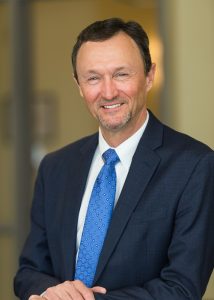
x,y
77,83
150,77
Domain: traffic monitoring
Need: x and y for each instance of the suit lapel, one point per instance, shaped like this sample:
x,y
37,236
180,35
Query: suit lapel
x,y
144,164
78,169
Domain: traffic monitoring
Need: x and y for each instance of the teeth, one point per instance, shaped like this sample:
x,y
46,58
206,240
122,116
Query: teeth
x,y
112,106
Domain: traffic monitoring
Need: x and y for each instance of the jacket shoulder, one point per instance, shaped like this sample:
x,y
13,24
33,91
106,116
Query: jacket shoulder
x,y
171,141
70,152
182,142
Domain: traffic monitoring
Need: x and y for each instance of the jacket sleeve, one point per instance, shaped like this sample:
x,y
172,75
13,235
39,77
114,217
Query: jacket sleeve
x,y
190,253
35,272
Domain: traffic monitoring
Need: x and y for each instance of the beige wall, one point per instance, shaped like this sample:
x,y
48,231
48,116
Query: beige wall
x,y
190,47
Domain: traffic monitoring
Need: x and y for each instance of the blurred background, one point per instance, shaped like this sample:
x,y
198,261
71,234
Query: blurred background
x,y
41,110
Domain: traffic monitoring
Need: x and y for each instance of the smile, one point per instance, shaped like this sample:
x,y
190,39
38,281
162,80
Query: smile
x,y
112,106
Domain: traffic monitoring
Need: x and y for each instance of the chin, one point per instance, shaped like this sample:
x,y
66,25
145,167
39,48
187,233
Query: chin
x,y
114,123
115,126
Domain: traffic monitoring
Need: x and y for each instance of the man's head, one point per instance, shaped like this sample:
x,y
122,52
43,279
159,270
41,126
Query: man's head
x,y
114,75
103,30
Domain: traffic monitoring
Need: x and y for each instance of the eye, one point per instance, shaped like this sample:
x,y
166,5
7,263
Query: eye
x,y
122,75
93,79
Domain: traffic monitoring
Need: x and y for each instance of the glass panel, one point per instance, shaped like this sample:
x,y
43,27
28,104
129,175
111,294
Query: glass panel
x,y
7,213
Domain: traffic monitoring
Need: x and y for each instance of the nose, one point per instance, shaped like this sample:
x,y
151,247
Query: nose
x,y
109,89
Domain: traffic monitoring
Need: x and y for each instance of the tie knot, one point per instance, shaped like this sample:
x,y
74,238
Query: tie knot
x,y
110,156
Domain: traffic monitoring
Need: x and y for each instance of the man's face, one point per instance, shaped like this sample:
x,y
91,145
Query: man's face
x,y
113,83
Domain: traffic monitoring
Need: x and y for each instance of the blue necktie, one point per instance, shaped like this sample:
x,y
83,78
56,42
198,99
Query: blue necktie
x,y
97,219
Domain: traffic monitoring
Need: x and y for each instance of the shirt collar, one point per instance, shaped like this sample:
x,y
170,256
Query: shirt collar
x,y
125,150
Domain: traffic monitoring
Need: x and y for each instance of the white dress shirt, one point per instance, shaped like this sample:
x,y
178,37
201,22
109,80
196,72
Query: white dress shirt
x,y
125,151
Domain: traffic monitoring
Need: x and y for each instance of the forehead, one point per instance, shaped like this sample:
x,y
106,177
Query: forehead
x,y
120,48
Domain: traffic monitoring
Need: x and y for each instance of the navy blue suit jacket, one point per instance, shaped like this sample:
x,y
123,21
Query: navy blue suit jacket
x,y
160,243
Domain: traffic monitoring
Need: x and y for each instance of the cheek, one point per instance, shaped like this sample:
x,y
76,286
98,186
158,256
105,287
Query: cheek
x,y
132,88
90,95
90,99
131,92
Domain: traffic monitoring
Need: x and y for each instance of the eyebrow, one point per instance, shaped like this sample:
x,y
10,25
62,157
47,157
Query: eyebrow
x,y
88,73
122,68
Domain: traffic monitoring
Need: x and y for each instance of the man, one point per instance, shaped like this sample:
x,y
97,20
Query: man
x,y
158,242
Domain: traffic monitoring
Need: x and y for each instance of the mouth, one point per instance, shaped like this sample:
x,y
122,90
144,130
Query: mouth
x,y
112,106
